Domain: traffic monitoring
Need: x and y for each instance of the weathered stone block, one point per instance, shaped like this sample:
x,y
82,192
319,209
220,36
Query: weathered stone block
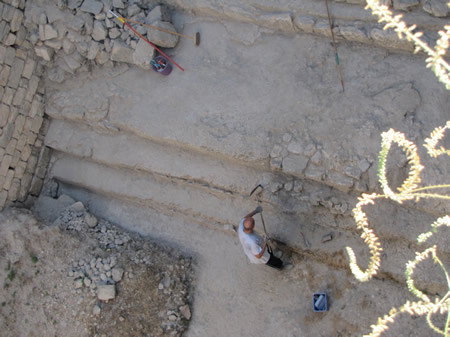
x,y
405,5
18,126
4,165
8,180
73,61
114,33
121,52
45,52
43,162
25,186
277,21
353,33
389,39
26,153
4,30
4,114
28,68
118,4
437,8
31,138
54,44
21,142
315,172
68,47
15,160
163,39
93,50
133,10
11,146
36,186
92,6
99,31
16,20
20,169
10,40
4,75
16,73
13,115
32,87
10,56
13,192
295,164
159,13
304,23
37,123
8,96
31,164
19,97
37,108
73,4
3,198
296,147
143,54
339,181
8,12
21,36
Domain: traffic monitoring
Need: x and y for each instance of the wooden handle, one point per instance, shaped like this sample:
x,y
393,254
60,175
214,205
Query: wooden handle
x,y
160,29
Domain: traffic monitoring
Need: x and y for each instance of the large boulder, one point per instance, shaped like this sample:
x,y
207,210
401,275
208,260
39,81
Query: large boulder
x,y
160,38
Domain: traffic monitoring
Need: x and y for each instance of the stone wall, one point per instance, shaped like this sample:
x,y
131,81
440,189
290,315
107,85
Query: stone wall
x,y
22,123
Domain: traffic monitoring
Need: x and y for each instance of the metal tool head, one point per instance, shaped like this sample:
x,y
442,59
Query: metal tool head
x,y
254,190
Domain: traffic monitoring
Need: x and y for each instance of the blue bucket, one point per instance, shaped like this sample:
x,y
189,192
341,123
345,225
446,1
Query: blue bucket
x,y
320,302
161,65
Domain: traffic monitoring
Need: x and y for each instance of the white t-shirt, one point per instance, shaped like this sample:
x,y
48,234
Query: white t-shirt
x,y
252,244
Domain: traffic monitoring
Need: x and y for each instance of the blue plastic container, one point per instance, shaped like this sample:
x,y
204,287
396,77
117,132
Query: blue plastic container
x,y
320,302
162,66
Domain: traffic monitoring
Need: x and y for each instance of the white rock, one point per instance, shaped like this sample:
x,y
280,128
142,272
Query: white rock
x,y
118,4
295,148
91,220
99,31
163,39
106,292
78,283
186,312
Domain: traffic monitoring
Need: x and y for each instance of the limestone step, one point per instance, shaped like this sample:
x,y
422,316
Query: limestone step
x,y
230,179
201,205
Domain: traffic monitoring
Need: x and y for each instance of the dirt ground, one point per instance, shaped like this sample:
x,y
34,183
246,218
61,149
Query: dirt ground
x,y
44,277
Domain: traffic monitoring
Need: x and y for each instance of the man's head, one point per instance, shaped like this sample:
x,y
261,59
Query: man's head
x,y
249,224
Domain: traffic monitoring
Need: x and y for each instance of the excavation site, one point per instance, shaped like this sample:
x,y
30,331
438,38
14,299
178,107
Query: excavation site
x,y
224,168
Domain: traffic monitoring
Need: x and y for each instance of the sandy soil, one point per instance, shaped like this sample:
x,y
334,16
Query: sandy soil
x,y
43,293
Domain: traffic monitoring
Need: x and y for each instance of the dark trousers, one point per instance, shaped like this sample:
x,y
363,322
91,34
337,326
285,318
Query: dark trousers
x,y
274,262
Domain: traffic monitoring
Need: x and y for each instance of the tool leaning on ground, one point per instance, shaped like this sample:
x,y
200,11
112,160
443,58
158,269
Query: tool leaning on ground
x,y
195,38
121,19
267,238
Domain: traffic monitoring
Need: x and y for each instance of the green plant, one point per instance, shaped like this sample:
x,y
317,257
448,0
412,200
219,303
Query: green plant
x,y
11,275
34,259
409,190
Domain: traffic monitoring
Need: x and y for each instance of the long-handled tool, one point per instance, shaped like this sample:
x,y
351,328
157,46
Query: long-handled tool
x,y
335,48
143,38
195,38
268,238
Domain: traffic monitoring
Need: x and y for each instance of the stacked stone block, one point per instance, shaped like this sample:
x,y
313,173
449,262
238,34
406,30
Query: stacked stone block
x,y
22,122
75,35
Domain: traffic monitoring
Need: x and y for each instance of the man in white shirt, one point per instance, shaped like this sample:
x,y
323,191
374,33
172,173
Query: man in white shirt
x,y
254,246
